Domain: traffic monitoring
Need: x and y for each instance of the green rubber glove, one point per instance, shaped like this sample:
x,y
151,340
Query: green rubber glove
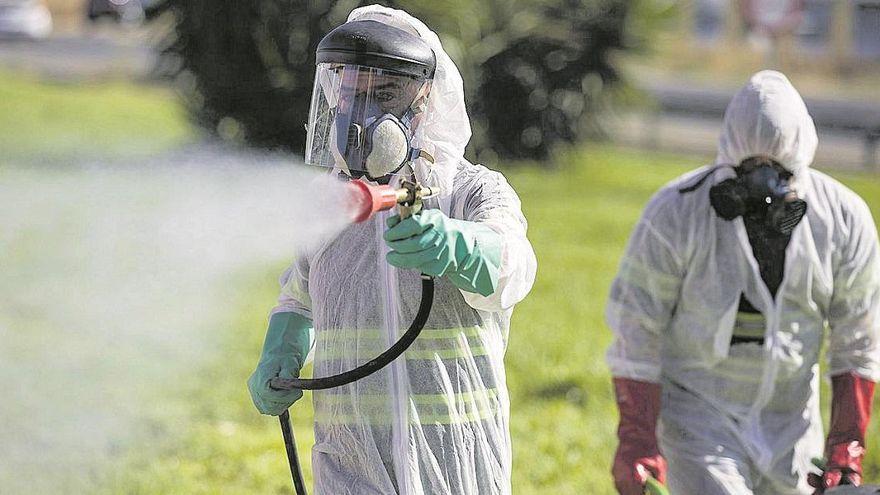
x,y
467,253
284,352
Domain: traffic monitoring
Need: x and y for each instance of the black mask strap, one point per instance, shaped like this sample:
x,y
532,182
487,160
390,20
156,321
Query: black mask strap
x,y
696,185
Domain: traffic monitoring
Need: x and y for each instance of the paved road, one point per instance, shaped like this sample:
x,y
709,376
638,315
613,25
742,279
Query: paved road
x,y
689,119
81,56
699,135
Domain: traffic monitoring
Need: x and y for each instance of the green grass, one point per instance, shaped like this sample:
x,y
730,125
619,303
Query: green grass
x,y
563,415
201,434
44,122
206,437
564,420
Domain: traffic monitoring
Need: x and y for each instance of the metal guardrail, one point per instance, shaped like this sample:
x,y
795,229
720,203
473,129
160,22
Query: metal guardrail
x,y
860,117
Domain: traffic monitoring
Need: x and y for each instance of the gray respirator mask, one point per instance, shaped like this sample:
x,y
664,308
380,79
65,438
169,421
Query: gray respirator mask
x,y
762,188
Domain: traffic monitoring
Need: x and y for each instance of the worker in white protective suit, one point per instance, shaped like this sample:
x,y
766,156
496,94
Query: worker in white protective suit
x,y
388,106
719,309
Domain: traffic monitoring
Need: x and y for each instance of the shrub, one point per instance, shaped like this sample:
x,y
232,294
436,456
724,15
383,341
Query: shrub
x,y
245,67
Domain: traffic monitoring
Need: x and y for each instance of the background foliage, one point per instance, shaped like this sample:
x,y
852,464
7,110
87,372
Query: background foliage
x,y
245,68
537,72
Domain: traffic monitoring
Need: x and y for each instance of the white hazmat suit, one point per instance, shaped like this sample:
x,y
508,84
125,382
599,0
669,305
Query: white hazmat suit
x,y
744,418
435,421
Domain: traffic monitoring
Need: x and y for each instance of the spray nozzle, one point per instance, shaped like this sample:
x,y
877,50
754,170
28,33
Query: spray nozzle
x,y
366,200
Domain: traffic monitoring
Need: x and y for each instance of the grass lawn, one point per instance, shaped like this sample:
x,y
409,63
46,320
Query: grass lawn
x,y
202,435
563,415
45,122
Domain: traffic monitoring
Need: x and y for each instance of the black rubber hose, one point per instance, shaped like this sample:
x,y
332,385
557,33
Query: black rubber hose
x,y
373,365
292,458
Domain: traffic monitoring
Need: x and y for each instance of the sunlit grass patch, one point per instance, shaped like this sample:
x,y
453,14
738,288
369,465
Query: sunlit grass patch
x,y
563,417
44,122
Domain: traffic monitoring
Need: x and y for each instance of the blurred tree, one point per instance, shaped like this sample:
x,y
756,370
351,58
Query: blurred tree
x,y
245,67
536,71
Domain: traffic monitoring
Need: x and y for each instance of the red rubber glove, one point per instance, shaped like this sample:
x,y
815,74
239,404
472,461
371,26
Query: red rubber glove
x,y
637,454
851,397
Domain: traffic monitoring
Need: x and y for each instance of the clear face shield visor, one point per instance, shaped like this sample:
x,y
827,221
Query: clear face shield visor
x,y
362,120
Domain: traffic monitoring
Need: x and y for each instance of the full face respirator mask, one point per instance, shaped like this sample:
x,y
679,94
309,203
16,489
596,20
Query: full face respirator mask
x,y
371,88
761,189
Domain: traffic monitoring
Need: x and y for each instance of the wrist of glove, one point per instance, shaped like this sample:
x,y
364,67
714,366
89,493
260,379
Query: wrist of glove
x,y
284,352
467,253
843,467
844,464
638,455
632,468
851,397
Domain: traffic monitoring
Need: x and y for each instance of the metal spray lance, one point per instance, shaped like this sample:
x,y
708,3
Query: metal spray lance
x,y
366,200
